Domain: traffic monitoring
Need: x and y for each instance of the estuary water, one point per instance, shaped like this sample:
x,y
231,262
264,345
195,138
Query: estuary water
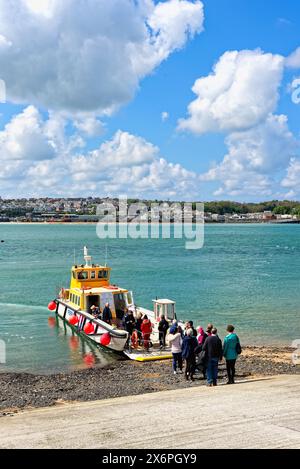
x,y
247,275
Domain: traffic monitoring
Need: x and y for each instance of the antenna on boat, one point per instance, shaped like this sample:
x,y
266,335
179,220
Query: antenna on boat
x,y
87,258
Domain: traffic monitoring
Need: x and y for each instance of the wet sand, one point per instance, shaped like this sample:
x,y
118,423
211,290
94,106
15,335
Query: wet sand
x,y
128,378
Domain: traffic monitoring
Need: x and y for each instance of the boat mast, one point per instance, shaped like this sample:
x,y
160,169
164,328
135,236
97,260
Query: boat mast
x,y
87,258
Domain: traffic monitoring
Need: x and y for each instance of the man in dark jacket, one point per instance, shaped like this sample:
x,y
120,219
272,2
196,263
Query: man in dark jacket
x,y
106,315
213,350
129,321
163,326
189,344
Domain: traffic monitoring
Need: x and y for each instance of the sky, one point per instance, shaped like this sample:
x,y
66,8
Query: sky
x,y
174,99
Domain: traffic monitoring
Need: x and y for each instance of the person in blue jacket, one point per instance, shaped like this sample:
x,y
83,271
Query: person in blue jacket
x,y
230,352
189,345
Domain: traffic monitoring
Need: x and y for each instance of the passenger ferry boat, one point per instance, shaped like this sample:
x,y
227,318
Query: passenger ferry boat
x,y
90,286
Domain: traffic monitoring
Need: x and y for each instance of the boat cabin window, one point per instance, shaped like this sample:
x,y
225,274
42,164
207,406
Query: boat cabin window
x,y
166,309
75,299
170,313
129,298
160,310
102,273
83,275
93,275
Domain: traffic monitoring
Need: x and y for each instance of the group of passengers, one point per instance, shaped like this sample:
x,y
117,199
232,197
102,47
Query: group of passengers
x,y
139,328
203,350
198,349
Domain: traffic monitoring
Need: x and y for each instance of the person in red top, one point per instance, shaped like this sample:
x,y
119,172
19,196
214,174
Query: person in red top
x,y
146,329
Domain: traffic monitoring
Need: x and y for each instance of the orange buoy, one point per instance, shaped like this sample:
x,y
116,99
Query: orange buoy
x,y
105,339
52,306
89,328
73,320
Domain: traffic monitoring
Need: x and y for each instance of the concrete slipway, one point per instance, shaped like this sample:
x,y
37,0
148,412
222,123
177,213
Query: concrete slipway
x,y
257,414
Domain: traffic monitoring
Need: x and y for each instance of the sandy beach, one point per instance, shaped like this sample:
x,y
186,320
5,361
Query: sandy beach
x,y
127,378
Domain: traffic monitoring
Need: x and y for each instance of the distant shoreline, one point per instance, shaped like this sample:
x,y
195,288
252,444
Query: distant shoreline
x,y
256,222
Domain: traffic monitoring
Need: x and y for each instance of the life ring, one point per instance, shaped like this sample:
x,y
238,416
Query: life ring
x,y
86,288
112,287
134,339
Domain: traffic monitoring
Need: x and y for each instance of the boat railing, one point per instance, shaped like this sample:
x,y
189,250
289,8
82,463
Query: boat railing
x,y
113,332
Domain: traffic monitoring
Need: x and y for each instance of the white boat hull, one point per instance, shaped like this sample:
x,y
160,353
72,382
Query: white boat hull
x,y
118,338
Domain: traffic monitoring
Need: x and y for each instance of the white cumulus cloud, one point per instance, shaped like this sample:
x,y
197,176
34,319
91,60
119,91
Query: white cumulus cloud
x,y
292,178
239,98
129,164
254,158
293,60
38,157
88,55
239,94
89,126
25,138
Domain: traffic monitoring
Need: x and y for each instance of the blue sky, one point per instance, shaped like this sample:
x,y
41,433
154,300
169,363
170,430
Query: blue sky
x,y
136,126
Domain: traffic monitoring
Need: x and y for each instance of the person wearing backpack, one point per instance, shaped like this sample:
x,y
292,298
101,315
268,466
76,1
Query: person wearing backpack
x,y
231,351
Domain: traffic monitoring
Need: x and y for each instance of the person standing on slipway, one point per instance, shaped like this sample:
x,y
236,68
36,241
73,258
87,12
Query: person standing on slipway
x,y
231,351
189,345
213,350
175,341
163,327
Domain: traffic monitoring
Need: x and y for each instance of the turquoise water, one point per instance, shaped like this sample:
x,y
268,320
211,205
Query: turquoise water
x,y
248,275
